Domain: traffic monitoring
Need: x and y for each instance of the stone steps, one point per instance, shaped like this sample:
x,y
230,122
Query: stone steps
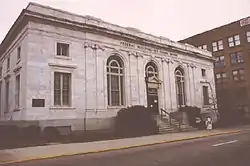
x,y
166,127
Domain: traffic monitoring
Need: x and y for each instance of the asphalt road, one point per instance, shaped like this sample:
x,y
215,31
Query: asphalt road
x,y
228,150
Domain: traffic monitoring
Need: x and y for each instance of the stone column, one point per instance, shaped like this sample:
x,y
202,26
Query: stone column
x,y
129,77
134,80
100,78
171,83
140,79
166,84
90,71
193,67
191,84
187,85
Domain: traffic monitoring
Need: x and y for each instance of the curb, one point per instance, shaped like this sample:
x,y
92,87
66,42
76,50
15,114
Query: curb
x,y
121,148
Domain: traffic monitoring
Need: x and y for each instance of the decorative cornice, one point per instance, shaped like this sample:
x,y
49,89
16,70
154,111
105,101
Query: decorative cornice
x,y
173,54
93,46
167,60
17,69
131,53
192,65
65,18
178,61
137,55
7,76
86,45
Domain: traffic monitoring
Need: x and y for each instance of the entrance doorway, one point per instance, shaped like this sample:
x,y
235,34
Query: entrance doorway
x,y
152,97
152,86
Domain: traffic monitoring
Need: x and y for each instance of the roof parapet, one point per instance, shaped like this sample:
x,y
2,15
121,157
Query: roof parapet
x,y
90,20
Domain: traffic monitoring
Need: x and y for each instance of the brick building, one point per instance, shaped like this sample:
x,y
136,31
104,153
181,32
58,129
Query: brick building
x,y
230,45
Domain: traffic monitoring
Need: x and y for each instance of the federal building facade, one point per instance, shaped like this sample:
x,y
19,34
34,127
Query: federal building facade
x,y
62,69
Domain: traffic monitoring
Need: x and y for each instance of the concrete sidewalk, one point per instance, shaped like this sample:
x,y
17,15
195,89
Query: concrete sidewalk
x,y
52,151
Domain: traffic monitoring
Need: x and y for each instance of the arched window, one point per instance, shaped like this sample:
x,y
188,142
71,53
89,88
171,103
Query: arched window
x,y
115,73
180,86
151,70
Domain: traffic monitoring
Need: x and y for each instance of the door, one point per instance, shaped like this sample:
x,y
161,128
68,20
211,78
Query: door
x,y
152,97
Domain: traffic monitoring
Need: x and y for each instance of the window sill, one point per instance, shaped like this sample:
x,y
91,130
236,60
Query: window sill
x,y
63,57
72,66
16,110
116,107
238,81
61,107
217,51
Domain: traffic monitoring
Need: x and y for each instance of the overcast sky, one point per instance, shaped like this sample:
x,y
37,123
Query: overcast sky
x,y
175,19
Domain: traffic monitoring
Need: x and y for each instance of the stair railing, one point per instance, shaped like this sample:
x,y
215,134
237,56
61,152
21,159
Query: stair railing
x,y
162,112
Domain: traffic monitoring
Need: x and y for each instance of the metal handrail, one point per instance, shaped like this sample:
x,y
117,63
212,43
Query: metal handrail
x,y
170,116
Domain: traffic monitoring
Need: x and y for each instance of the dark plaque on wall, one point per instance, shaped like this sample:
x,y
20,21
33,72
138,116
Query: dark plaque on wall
x,y
38,102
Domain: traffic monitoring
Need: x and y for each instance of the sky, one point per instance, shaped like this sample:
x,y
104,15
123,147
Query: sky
x,y
174,19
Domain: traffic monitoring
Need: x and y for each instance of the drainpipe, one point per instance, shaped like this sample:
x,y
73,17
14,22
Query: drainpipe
x,y
85,86
96,85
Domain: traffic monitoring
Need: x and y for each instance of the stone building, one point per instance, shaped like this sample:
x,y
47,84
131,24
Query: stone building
x,y
62,69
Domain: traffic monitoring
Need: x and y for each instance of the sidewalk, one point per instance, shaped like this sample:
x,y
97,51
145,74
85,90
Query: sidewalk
x,y
52,151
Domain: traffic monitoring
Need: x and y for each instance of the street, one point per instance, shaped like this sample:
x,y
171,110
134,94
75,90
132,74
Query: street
x,y
229,150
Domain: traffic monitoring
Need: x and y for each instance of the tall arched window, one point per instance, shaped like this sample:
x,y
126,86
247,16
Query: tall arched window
x,y
180,86
151,70
115,73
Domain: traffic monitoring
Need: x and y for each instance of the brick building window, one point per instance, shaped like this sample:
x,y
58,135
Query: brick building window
x,y
62,49
62,89
236,57
217,46
204,47
221,78
248,36
220,61
205,95
239,75
234,41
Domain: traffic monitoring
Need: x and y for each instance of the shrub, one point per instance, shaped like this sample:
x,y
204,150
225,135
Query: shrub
x,y
192,113
135,121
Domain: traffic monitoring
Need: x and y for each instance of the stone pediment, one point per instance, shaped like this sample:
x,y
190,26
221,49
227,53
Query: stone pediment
x,y
154,80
